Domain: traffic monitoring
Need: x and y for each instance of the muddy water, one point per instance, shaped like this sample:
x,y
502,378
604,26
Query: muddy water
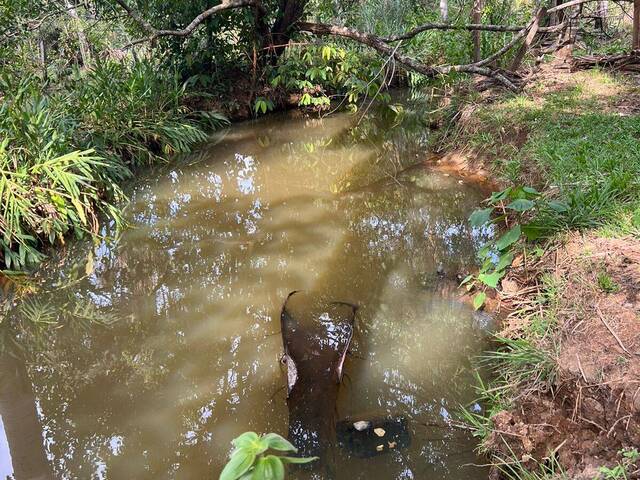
x,y
168,341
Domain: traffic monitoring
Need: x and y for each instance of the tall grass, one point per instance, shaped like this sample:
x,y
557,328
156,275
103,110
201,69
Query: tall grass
x,y
65,152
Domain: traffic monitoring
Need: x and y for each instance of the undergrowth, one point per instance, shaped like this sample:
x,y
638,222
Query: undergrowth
x,y
65,151
567,144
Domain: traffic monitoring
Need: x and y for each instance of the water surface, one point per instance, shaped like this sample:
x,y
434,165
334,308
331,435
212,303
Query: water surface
x,y
158,349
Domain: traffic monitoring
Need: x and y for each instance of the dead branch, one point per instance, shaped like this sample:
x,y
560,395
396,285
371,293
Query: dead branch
x,y
381,45
470,27
629,62
573,3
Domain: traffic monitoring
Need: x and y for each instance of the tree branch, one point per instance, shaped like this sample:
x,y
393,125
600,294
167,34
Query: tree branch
x,y
380,45
470,27
573,3
189,29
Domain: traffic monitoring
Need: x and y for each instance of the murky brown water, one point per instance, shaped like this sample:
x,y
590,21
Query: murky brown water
x,y
167,343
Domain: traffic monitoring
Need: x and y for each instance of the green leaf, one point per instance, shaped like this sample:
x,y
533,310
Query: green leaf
x,y
480,217
276,442
246,439
521,205
467,279
298,460
497,196
509,238
241,461
558,206
531,191
484,251
268,468
80,209
491,279
505,260
534,232
478,301
250,442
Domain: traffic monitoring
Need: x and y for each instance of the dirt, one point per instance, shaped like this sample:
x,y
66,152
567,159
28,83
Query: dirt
x,y
593,408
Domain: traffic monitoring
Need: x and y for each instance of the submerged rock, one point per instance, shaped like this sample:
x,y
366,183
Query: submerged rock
x,y
378,436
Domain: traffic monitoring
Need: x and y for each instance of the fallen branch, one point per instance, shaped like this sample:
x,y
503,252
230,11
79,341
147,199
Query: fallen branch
x,y
381,45
573,3
629,62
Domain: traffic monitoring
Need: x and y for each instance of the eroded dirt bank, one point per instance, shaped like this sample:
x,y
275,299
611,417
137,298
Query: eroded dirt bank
x,y
573,299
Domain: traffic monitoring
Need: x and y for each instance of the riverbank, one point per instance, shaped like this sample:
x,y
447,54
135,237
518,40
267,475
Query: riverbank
x,y
565,402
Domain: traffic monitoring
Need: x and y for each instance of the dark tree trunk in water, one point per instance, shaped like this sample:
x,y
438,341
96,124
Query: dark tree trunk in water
x,y
21,424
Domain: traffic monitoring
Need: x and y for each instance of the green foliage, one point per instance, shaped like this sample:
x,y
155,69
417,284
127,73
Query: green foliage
x,y
319,72
250,461
262,105
514,204
619,472
606,283
65,153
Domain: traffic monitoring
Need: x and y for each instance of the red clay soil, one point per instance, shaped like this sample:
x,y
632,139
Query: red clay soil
x,y
593,409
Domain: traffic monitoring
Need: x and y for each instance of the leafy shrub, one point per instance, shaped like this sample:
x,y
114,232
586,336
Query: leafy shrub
x,y
65,153
324,71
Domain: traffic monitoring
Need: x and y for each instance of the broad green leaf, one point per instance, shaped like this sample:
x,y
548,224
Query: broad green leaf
x,y
491,279
480,217
241,461
246,439
268,468
250,442
509,238
298,460
478,301
521,205
276,442
558,206
505,260
467,279
531,191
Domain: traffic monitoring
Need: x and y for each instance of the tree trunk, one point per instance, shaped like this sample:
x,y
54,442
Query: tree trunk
x,y
289,13
21,425
444,10
476,35
636,25
85,50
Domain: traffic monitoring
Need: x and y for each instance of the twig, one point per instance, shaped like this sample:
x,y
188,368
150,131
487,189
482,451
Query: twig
x,y
611,330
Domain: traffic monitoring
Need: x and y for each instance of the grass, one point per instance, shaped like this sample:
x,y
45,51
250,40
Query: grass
x,y
575,145
572,144
606,283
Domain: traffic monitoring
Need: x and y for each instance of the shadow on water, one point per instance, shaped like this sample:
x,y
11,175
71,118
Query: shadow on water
x,y
143,358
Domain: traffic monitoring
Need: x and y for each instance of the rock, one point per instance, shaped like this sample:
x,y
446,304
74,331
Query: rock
x,y
385,430
361,425
440,269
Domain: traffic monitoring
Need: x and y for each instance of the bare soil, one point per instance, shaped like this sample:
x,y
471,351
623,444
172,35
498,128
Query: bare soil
x,y
593,409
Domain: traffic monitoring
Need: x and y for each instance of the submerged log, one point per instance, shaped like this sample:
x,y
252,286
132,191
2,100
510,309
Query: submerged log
x,y
316,335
